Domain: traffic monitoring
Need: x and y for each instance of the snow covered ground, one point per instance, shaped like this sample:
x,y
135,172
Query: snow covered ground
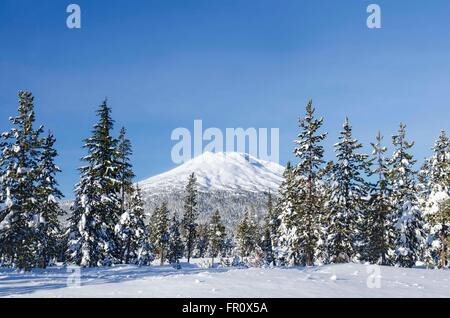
x,y
349,280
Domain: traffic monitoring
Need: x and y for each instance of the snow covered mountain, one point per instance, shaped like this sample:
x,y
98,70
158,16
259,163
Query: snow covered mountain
x,y
228,182
230,171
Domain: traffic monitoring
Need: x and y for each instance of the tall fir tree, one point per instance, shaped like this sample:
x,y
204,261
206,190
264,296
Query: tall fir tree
x,y
176,247
19,215
380,232
48,232
96,210
190,216
348,190
300,227
436,195
407,216
160,232
217,236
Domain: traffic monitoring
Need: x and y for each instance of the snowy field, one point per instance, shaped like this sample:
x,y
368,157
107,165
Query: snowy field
x,y
349,280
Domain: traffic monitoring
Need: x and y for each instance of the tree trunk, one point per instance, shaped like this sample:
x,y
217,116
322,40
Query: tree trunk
x,y
443,258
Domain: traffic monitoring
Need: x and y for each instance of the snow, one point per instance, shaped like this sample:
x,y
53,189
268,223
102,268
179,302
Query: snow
x,y
221,171
346,280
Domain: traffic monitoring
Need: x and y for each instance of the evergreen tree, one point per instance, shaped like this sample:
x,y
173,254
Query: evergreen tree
x,y
201,241
301,215
48,231
160,231
228,246
269,233
190,216
96,210
125,171
287,239
407,216
176,247
217,236
247,235
133,233
19,215
348,188
379,228
436,185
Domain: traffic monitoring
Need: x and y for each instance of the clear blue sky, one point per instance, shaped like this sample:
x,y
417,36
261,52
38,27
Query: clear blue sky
x,y
231,63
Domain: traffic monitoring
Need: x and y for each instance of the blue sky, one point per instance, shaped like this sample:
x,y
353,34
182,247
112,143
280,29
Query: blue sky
x,y
249,63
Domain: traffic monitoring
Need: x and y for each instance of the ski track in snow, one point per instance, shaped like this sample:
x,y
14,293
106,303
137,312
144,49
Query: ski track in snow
x,y
347,280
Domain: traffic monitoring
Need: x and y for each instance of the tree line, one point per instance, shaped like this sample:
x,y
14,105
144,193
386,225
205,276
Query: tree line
x,y
357,208
107,222
362,208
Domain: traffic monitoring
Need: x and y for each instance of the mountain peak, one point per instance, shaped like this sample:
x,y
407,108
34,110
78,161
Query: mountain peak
x,y
224,171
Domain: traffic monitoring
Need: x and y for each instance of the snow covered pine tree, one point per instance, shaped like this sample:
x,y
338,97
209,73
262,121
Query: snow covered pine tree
x,y
301,214
217,236
190,216
436,200
133,234
380,232
176,247
28,223
160,231
247,235
269,232
407,216
97,207
348,190
48,231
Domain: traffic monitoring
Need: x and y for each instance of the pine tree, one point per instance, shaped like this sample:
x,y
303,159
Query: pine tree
x,y
190,216
201,241
348,188
301,215
125,172
436,185
269,232
287,239
176,247
407,216
247,235
160,231
217,236
48,231
96,210
379,228
133,233
20,211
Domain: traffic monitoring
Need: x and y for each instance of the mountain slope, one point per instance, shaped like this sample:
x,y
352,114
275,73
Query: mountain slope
x,y
227,182
221,172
